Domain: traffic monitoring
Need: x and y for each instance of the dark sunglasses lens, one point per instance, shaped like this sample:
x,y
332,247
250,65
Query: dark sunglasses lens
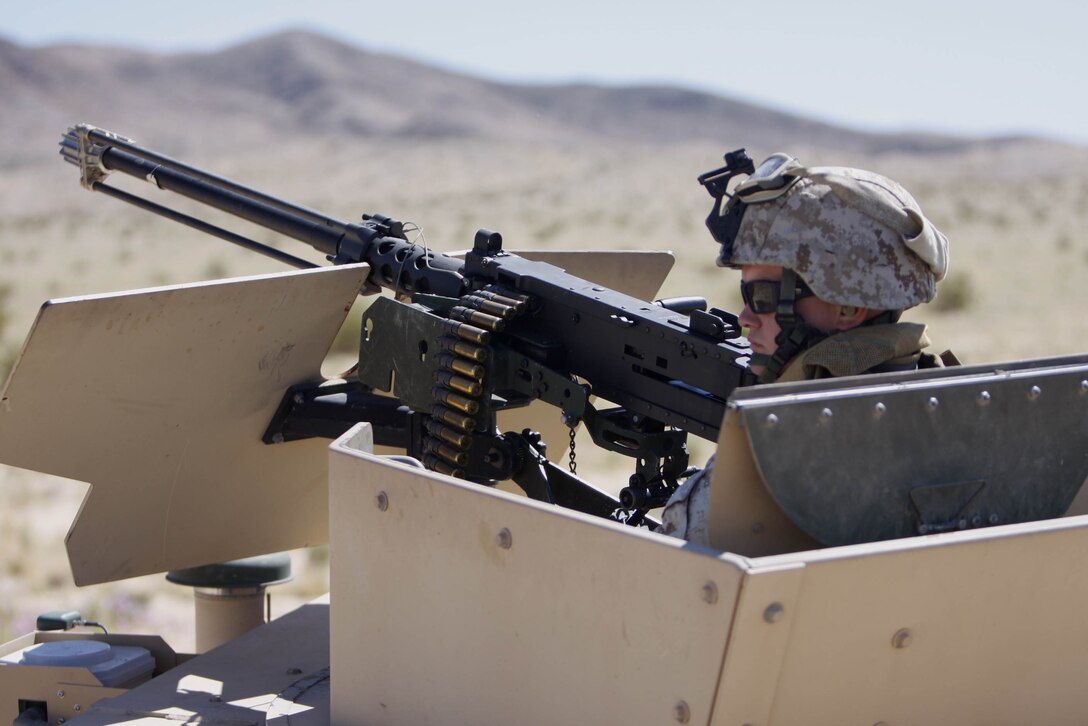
x,y
761,296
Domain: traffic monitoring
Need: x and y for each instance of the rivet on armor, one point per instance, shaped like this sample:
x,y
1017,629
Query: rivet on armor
x,y
710,593
932,403
879,410
1084,386
771,419
825,415
681,712
382,501
773,612
984,398
504,538
902,638
1034,393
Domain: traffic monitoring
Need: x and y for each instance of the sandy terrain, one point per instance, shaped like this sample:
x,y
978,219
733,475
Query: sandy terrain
x,y
1015,217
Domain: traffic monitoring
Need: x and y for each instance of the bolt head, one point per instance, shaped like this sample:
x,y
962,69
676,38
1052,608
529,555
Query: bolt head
x,y
902,638
1034,393
772,419
710,592
681,712
932,403
879,410
504,539
984,398
382,501
825,415
773,612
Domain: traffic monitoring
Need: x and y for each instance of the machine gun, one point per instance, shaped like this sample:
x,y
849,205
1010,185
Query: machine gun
x,y
464,339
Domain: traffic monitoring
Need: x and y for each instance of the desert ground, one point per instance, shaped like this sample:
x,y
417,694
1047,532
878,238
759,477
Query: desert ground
x,y
1015,214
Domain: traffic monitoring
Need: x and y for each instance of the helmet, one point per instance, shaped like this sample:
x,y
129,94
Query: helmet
x,y
855,237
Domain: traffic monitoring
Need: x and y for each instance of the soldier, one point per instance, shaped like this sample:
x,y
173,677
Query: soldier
x,y
830,257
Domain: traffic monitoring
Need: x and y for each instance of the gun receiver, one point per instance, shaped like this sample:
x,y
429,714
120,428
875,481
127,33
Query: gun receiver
x,y
491,332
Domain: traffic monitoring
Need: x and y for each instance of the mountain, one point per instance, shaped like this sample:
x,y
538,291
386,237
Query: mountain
x,y
253,94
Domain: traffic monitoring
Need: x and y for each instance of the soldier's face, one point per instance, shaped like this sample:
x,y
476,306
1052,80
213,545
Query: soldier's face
x,y
763,328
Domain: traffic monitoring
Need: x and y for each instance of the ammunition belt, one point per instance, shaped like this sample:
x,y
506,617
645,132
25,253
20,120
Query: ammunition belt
x,y
461,380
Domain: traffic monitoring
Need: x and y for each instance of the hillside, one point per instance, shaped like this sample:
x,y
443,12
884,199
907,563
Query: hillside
x,y
304,85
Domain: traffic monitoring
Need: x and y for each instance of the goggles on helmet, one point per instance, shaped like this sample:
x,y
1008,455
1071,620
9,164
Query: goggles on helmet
x,y
762,296
768,181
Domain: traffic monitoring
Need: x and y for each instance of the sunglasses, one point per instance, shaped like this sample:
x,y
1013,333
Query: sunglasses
x,y
761,296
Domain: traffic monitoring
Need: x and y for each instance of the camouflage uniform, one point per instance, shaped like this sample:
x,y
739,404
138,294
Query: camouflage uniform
x,y
855,238
849,353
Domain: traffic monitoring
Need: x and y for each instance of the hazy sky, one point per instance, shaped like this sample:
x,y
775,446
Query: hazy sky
x,y
943,65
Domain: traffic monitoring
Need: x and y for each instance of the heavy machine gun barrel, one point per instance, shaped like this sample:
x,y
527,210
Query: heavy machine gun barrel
x,y
98,152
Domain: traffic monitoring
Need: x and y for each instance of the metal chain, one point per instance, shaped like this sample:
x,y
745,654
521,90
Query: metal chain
x,y
573,464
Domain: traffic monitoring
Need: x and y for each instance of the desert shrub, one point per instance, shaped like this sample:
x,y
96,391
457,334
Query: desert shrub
x,y
551,229
160,278
966,212
318,555
216,269
957,292
7,360
5,293
347,340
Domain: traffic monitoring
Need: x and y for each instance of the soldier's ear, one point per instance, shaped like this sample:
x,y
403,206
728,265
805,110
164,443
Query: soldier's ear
x,y
850,316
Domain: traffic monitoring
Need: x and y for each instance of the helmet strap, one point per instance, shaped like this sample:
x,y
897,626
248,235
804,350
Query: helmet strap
x,y
795,335
791,341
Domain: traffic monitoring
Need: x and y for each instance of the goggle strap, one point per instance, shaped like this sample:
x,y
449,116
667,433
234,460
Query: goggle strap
x,y
786,314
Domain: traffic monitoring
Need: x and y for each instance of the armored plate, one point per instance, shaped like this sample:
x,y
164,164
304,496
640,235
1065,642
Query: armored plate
x,y
863,459
459,604
158,398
